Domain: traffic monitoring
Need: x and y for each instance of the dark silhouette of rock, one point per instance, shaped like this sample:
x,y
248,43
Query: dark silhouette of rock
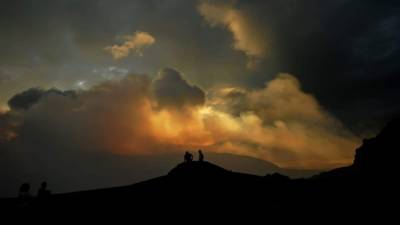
x,y
375,159
276,177
380,154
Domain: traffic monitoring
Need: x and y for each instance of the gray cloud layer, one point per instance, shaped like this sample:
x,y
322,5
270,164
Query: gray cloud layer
x,y
170,89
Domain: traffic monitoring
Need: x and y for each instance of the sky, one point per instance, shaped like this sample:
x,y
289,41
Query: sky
x,y
296,83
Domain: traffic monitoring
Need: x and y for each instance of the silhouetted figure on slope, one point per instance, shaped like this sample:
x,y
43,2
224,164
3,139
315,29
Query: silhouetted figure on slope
x,y
201,156
43,192
188,157
24,195
24,191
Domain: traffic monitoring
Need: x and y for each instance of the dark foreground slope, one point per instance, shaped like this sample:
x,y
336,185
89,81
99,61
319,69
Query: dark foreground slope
x,y
369,185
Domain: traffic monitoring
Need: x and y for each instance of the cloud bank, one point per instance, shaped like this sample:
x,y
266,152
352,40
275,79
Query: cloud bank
x,y
132,43
140,116
171,90
282,124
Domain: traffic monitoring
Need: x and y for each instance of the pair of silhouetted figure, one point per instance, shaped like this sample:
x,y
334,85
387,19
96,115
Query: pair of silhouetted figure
x,y
25,195
188,157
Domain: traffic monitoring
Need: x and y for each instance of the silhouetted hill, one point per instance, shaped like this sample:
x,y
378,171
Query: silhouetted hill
x,y
381,153
250,165
110,170
197,170
187,187
369,185
376,159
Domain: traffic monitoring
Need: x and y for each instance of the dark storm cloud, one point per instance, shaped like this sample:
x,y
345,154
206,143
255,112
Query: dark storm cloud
x,y
59,43
344,52
170,89
32,96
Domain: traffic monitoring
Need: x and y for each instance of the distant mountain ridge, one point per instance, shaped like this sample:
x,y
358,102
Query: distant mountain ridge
x,y
251,165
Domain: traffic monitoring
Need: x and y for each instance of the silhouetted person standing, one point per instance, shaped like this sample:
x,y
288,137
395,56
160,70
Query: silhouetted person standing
x,y
201,156
188,157
43,192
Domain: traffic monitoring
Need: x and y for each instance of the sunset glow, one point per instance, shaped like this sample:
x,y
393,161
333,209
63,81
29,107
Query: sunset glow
x,y
103,87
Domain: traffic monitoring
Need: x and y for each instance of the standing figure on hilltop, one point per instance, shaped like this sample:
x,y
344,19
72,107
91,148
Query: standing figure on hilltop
x,y
188,157
43,192
201,156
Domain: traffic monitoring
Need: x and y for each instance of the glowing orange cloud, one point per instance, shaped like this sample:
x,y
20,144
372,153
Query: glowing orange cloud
x,y
279,123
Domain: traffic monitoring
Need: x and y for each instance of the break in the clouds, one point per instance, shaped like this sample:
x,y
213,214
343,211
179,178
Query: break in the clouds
x,y
248,37
136,115
131,43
